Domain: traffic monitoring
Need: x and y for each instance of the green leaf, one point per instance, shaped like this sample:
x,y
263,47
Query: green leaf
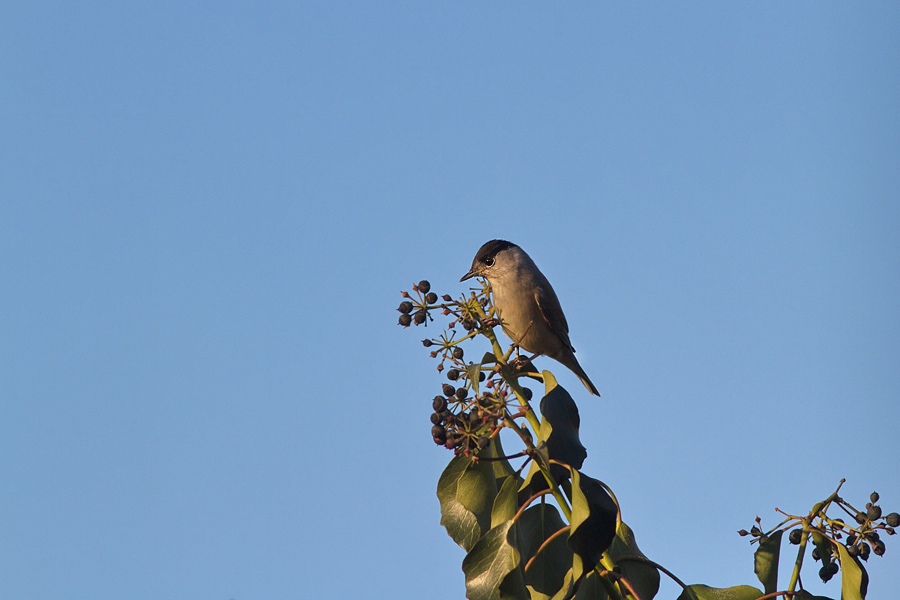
x,y
765,561
549,569
704,592
490,561
593,522
466,491
804,595
854,579
502,468
558,435
644,578
591,588
506,503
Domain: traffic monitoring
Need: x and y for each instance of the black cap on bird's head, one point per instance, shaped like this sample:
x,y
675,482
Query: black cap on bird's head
x,y
485,257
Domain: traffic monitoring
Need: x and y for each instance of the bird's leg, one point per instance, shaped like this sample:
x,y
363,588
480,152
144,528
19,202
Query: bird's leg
x,y
518,362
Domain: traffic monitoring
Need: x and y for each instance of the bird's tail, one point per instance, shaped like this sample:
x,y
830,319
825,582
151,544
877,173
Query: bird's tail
x,y
572,362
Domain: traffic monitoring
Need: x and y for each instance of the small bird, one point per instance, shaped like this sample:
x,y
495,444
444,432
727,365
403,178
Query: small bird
x,y
526,304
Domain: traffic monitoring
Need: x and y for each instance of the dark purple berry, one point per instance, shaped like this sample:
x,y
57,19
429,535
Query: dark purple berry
x,y
439,404
815,554
453,374
468,324
874,513
864,551
874,497
419,317
796,536
405,320
878,548
431,298
438,432
826,574
860,518
405,307
853,551
481,377
427,343
457,353
448,390
461,393
743,532
447,298
483,442
527,393
424,286
893,520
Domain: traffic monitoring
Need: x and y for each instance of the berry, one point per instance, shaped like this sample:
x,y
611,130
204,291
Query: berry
x,y
446,298
874,513
528,393
405,320
468,324
815,554
405,307
743,532
427,343
893,520
755,530
437,418
826,574
424,286
461,393
864,551
457,353
483,442
448,390
878,548
853,551
438,432
480,377
860,518
439,404
431,298
874,497
796,536
453,374
419,317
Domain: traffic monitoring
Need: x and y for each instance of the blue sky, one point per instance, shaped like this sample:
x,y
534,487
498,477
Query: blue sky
x,y
208,210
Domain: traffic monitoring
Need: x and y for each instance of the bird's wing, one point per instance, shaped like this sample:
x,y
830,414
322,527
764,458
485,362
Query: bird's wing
x,y
549,304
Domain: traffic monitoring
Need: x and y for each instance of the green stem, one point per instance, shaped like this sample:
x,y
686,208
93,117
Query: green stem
x,y
800,553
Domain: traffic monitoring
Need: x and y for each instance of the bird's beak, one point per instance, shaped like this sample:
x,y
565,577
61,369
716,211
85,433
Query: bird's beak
x,y
469,275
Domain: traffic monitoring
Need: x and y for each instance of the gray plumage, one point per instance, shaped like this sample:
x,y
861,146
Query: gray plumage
x,y
526,304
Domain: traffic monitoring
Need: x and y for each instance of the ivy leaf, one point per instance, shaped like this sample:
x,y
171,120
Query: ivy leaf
x,y
591,589
549,568
506,503
854,579
765,561
466,491
593,522
704,592
804,595
490,561
502,468
558,435
643,577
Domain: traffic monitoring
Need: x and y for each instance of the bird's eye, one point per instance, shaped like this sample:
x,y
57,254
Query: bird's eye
x,y
489,261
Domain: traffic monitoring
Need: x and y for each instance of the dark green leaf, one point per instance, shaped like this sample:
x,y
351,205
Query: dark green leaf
x,y
502,468
490,561
466,491
644,578
704,592
593,522
854,579
591,588
558,435
765,561
804,595
547,571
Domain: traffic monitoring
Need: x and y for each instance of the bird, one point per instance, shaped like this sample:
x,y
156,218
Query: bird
x,y
527,307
